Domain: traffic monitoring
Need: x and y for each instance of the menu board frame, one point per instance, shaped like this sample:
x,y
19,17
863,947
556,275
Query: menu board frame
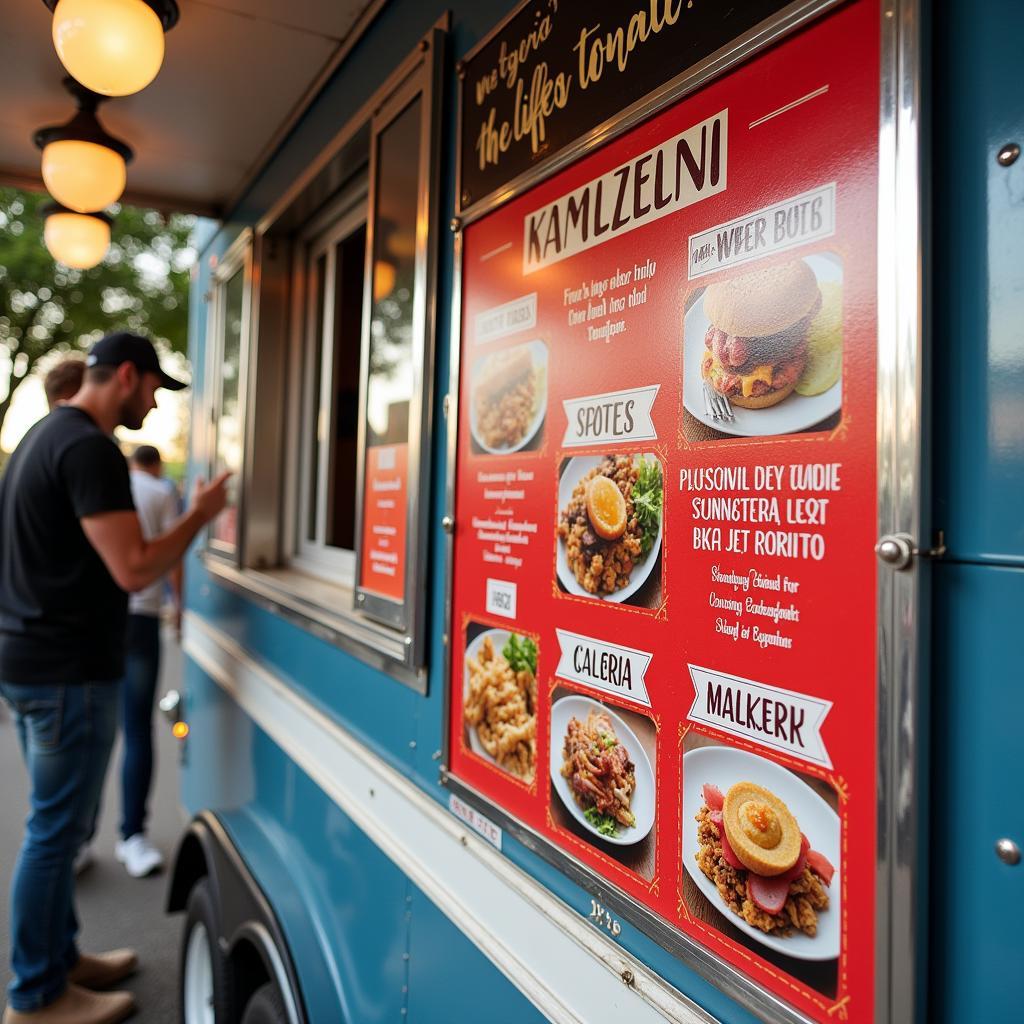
x,y
901,627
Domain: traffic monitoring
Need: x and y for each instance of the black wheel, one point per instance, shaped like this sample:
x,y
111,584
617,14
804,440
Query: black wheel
x,y
265,1007
204,973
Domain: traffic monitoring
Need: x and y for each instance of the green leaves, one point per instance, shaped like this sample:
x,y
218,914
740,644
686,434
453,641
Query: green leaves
x,y
141,285
521,653
647,501
605,824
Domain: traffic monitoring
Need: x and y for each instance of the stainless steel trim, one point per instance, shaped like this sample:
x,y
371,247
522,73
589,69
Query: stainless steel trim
x,y
425,82
770,31
901,501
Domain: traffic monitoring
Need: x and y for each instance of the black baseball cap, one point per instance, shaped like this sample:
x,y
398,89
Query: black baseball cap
x,y
125,347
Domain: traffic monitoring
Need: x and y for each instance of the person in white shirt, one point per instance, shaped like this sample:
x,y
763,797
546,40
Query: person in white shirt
x,y
158,506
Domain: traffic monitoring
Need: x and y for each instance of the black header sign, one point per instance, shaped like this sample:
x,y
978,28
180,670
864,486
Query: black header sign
x,y
559,68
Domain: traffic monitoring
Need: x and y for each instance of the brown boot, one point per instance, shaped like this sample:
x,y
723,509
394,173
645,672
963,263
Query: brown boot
x,y
78,1006
101,970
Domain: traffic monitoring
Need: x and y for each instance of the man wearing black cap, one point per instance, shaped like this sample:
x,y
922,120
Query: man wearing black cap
x,y
71,548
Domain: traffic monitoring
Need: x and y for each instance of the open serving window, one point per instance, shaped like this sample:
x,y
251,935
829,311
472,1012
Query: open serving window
x,y
336,355
689,311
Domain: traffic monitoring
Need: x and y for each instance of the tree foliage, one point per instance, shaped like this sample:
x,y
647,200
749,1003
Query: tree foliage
x,y
141,285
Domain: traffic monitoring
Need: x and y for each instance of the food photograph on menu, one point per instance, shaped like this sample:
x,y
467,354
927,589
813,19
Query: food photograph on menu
x,y
761,857
602,779
609,530
508,392
500,700
763,350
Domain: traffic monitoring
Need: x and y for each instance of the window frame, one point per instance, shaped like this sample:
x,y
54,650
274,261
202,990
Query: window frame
x,y
238,257
321,238
423,82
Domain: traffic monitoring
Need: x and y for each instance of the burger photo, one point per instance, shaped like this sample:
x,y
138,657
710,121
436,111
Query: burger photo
x,y
756,347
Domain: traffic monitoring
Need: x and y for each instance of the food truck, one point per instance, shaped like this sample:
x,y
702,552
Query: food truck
x,y
623,402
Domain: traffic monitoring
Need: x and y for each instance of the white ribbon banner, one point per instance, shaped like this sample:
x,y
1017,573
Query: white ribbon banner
x,y
610,668
784,225
768,715
612,418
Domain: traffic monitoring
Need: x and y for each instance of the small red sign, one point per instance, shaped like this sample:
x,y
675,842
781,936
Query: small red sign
x,y
382,569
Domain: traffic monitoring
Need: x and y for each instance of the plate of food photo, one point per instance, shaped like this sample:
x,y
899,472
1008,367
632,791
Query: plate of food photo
x,y
600,771
770,342
508,397
499,701
763,847
609,524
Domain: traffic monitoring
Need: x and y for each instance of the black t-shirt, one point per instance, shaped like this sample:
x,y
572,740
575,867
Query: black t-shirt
x,y
62,616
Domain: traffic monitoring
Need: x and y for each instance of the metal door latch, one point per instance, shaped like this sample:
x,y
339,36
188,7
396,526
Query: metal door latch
x,y
898,550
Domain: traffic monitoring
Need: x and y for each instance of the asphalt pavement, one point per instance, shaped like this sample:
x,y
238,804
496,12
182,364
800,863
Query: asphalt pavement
x,y
113,908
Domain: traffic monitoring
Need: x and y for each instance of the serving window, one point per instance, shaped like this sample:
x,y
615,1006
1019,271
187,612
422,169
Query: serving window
x,y
333,446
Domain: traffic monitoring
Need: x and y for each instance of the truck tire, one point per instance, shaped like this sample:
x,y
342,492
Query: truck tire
x,y
204,973
265,1007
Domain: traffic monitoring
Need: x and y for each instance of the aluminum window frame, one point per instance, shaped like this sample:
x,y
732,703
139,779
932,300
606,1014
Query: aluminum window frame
x,y
239,257
423,80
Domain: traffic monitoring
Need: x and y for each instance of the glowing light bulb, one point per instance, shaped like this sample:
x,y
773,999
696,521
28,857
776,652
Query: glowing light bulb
x,y
384,274
75,239
83,176
114,47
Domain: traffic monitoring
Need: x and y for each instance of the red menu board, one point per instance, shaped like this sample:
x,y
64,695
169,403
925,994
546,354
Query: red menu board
x,y
664,580
382,569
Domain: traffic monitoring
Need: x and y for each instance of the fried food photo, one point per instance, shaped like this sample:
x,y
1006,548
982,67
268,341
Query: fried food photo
x,y
751,847
600,774
756,345
508,389
501,703
611,521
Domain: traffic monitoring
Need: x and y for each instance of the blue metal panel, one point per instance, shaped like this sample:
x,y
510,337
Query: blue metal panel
x,y
978,224
451,980
978,700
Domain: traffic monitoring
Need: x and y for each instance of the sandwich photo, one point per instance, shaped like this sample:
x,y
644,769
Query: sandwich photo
x,y
763,351
756,344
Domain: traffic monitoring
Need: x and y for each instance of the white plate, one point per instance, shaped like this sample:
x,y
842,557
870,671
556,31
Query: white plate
x,y
793,413
499,637
577,468
539,352
642,805
725,766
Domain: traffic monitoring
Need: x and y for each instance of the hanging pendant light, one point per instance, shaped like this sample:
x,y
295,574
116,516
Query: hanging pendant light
x,y
84,168
78,240
114,47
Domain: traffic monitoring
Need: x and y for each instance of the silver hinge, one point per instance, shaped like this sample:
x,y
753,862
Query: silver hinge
x,y
898,550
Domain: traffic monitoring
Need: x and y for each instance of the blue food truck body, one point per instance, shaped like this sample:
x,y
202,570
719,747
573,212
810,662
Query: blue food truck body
x,y
333,865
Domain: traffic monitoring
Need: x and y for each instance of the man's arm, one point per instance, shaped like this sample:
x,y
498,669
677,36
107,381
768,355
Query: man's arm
x,y
135,562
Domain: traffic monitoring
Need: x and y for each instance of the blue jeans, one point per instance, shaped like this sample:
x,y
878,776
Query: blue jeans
x,y
138,688
66,732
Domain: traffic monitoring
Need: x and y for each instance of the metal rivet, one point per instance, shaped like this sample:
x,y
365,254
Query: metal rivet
x,y
455,224
464,840
896,550
1008,851
448,523
627,977
1008,154
412,744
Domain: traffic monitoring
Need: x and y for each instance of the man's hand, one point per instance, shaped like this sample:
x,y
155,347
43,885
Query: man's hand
x,y
209,499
